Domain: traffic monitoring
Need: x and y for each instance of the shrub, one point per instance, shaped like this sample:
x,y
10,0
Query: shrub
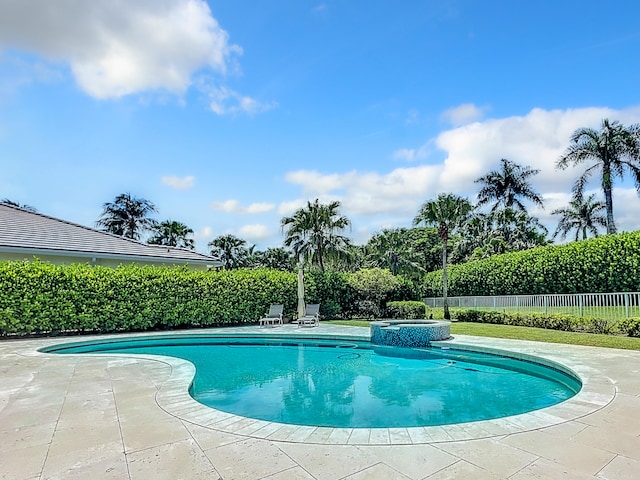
x,y
375,287
539,320
407,309
630,326
599,325
332,291
610,263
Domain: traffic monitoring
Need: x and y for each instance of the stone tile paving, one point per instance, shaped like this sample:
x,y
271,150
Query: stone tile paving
x,y
113,417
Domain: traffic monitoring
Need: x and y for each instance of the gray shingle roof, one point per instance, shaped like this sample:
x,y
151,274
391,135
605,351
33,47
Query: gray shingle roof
x,y
22,230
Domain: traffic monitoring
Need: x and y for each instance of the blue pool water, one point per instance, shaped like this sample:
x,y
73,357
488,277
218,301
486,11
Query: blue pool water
x,y
352,384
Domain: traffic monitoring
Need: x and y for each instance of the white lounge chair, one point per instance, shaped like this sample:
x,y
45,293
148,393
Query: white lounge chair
x,y
311,317
273,317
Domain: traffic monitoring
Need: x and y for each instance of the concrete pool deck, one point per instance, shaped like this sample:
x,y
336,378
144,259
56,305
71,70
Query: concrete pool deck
x,y
116,417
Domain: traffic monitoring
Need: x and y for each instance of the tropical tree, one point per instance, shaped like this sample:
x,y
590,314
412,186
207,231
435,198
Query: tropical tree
x,y
518,229
314,232
393,250
507,186
127,216
582,215
501,231
276,258
474,234
23,206
354,259
448,212
427,244
610,153
172,234
231,251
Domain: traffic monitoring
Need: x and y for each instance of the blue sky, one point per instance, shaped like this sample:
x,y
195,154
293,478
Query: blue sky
x,y
229,115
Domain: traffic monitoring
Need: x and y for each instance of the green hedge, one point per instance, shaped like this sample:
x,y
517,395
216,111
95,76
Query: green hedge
x,y
551,321
332,292
408,309
45,298
610,263
38,297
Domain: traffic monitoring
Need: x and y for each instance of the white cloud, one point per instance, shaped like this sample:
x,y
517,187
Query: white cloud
x,y
413,154
463,114
625,208
536,139
178,183
371,193
118,47
626,204
315,183
288,208
254,232
233,206
205,232
225,101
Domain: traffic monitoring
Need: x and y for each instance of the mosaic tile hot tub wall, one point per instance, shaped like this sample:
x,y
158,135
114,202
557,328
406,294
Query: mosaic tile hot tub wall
x,y
409,334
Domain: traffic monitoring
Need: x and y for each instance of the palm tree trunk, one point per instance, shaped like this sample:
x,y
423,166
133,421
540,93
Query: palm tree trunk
x,y
608,200
320,260
447,315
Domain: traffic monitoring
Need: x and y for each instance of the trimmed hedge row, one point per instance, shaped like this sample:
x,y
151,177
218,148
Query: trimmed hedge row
x,y
407,309
610,263
568,323
40,297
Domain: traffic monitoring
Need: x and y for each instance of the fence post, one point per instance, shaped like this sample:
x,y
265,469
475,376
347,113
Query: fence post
x,y
626,305
517,304
546,301
580,303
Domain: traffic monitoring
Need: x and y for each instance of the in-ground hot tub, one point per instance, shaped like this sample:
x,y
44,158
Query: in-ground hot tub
x,y
409,333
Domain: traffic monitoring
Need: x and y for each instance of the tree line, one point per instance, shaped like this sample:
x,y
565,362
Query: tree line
x,y
447,228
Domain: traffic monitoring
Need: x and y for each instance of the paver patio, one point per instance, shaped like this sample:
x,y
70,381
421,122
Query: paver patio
x,y
115,417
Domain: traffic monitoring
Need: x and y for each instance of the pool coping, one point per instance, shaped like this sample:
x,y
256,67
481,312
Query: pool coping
x,y
173,396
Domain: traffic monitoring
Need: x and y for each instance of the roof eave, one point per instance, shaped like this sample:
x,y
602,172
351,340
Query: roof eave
x,y
108,256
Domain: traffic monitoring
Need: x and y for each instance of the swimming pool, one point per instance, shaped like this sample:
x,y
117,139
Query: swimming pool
x,y
306,381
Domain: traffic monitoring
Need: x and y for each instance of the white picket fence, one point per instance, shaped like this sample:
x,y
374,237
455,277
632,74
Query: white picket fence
x,y
614,306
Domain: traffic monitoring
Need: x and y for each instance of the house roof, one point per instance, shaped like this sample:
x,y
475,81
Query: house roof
x,y
23,231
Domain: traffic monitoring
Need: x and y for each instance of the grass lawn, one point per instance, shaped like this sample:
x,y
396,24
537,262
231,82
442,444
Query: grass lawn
x,y
528,333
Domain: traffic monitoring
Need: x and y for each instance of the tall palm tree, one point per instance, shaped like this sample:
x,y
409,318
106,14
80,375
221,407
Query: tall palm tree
x,y
507,186
609,152
127,216
231,251
448,212
392,249
426,242
172,234
314,232
582,215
